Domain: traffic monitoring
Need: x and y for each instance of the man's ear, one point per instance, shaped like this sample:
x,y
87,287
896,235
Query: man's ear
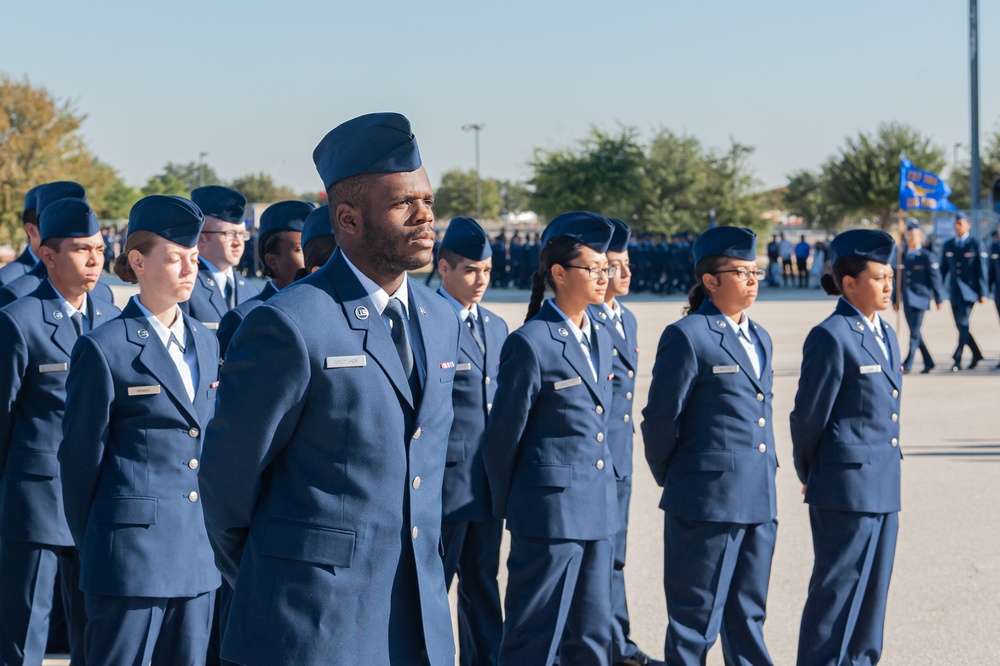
x,y
347,219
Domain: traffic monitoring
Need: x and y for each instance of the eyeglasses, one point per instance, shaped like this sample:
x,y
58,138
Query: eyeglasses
x,y
231,235
596,272
745,273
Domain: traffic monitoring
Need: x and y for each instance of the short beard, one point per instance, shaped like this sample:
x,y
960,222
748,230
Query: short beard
x,y
380,248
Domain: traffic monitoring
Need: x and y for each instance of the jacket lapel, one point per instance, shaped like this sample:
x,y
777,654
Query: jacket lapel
x,y
869,343
466,344
716,322
572,351
207,282
63,333
208,367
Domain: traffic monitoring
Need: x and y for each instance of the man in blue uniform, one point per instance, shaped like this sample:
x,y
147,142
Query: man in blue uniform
x,y
39,331
219,287
995,271
27,259
710,443
623,329
965,261
323,467
470,534
920,283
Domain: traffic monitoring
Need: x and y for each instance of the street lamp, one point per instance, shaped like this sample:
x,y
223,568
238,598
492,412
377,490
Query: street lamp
x,y
201,169
470,127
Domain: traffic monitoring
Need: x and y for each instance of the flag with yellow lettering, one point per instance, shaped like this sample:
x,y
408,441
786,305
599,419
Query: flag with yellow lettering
x,y
922,190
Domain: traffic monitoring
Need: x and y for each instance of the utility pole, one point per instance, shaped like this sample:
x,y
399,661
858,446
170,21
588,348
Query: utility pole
x,y
975,186
470,127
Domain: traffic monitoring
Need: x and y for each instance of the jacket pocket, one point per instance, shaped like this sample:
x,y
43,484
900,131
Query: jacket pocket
x,y
548,476
125,511
33,462
309,543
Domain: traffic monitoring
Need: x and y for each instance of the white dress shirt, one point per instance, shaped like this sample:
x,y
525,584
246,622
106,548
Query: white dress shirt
x,y
185,361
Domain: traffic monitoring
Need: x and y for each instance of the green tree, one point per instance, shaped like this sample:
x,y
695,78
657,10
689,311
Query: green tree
x,y
989,170
806,196
456,196
863,178
261,188
515,197
167,184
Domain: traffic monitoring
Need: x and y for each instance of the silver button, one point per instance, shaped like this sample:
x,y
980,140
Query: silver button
x,y
193,496
193,463
760,397
416,434
600,437
599,409
194,432
895,393
625,418
416,482
415,532
894,417
628,396
894,442
631,374
762,447
600,464
487,380
761,422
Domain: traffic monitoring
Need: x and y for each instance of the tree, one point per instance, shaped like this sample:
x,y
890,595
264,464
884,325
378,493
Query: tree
x,y
806,196
260,188
863,177
167,184
456,196
989,169
515,197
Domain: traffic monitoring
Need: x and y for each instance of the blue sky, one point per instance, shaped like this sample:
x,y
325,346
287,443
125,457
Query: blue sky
x,y
257,84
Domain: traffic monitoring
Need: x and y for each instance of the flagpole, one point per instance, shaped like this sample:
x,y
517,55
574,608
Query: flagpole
x,y
899,274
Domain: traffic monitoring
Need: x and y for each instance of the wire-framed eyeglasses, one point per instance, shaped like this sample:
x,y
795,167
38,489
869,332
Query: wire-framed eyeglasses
x,y
745,273
596,272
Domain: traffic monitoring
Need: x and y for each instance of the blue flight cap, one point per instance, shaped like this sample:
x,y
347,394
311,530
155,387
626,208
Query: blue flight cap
x,y
961,215
735,242
620,239
31,198
285,216
593,230
68,218
913,224
317,224
61,189
373,143
220,202
466,238
175,218
868,243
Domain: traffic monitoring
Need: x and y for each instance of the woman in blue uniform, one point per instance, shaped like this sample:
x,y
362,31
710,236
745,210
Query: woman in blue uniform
x,y
140,392
546,452
845,438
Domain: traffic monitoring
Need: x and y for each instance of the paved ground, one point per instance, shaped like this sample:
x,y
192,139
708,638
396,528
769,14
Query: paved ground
x,y
944,605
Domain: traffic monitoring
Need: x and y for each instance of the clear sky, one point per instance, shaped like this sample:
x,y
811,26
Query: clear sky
x,y
257,84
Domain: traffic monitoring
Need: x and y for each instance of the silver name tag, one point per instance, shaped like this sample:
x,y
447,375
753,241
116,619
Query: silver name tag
x,y
725,369
53,367
566,383
211,325
144,390
462,367
870,369
359,361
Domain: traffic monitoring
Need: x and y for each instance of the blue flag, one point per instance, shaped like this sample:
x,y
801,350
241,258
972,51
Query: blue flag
x,y
922,190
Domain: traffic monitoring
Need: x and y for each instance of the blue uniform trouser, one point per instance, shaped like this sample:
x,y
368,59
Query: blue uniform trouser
x,y
472,552
844,615
558,598
715,578
914,320
962,311
622,646
27,585
132,631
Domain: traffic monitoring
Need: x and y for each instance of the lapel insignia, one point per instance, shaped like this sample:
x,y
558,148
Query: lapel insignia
x,y
422,311
861,327
486,319
239,282
721,323
361,312
211,282
563,332
602,315
57,314
97,313
142,333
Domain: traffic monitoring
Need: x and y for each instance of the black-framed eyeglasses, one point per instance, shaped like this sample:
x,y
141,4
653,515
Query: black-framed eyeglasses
x,y
596,272
745,273
231,235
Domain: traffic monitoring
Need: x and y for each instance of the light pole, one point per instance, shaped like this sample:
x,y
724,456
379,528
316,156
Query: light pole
x,y
201,169
470,127
974,177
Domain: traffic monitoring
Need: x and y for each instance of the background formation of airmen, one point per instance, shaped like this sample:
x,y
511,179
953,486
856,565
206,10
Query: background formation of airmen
x,y
210,475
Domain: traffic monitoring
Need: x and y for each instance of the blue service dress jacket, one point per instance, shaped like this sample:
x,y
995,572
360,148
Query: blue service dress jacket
x,y
38,340
995,270
546,444
322,477
707,426
920,280
967,267
232,319
15,269
466,490
129,458
845,424
27,283
207,304
624,367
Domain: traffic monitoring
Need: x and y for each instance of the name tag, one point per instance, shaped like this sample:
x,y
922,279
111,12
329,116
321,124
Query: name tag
x,y
211,325
358,361
870,369
566,383
949,254
53,367
144,390
725,369
462,367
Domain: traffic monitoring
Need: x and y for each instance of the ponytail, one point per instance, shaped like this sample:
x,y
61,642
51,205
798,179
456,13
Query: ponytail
x,y
830,285
696,297
558,250
537,292
698,294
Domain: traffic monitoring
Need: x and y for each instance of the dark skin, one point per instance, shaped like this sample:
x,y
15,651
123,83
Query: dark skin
x,y
391,230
